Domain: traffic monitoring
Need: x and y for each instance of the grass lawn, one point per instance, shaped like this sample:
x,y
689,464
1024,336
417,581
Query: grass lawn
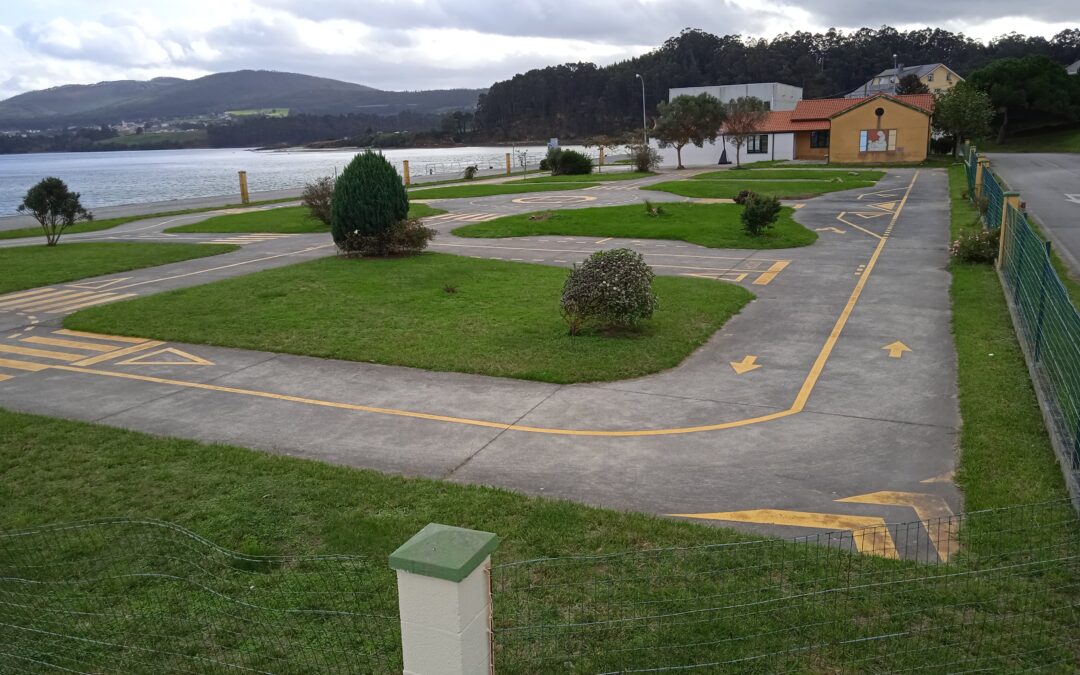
x,y
108,223
1061,140
396,311
189,138
591,178
713,225
283,220
791,174
33,266
728,189
489,189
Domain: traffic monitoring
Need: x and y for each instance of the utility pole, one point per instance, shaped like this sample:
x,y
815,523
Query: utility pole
x,y
644,124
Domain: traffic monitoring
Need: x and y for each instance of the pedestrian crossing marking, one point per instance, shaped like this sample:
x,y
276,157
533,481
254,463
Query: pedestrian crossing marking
x,y
28,366
255,238
54,300
41,353
462,217
99,336
70,344
614,188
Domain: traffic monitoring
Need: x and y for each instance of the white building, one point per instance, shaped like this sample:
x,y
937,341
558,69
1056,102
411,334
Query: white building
x,y
777,96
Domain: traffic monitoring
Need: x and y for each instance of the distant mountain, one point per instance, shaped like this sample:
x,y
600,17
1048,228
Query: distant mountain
x,y
168,98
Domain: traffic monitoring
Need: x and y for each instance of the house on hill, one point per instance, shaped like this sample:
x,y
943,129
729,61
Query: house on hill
x,y
936,76
1074,68
869,130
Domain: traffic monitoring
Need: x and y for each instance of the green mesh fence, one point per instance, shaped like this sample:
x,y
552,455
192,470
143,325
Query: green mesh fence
x,y
131,596
971,158
994,198
1048,325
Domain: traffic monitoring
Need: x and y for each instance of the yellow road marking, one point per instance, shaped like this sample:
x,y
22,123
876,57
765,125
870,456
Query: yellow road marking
x,y
602,241
721,276
109,297
946,477
770,274
118,353
885,206
841,321
869,534
23,365
40,353
840,217
57,301
837,230
897,349
98,285
575,250
797,407
23,294
928,508
185,359
746,365
99,336
73,344
4,378
19,302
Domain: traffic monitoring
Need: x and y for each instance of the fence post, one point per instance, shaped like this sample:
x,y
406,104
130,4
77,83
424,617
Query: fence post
x,y
508,166
983,164
444,599
405,170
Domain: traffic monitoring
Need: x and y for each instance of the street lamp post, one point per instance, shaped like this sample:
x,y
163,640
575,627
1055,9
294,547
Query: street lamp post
x,y
644,124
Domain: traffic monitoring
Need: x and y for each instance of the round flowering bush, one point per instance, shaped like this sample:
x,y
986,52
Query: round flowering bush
x,y
611,289
976,247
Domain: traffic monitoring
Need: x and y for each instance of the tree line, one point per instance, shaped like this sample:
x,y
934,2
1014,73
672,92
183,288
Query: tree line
x,y
583,99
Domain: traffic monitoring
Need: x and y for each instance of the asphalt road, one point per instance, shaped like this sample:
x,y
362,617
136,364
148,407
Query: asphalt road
x,y
847,417
1050,185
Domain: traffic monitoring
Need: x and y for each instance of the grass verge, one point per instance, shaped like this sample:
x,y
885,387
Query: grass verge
x,y
283,220
32,266
728,189
712,225
399,312
108,223
491,189
791,174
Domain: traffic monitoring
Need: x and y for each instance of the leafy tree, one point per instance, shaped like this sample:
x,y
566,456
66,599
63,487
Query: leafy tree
x,y
911,84
644,158
688,119
963,112
1033,90
317,196
369,200
55,207
745,115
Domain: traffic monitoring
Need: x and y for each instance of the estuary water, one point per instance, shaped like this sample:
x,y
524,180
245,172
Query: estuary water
x,y
140,176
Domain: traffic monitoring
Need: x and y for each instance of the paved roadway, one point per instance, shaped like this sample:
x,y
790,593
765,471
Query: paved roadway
x,y
1050,185
829,407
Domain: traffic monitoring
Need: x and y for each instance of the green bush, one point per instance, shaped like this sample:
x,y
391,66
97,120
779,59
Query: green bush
x,y
976,247
317,197
644,158
744,195
759,214
611,289
54,206
405,237
574,163
470,171
368,201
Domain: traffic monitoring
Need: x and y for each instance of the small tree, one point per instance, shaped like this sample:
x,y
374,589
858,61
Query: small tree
x,y
55,207
688,119
963,112
745,115
369,210
911,84
759,214
317,197
644,158
605,142
611,288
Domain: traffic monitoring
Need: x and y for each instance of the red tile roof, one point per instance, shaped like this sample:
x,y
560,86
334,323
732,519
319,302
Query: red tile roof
x,y
780,121
824,108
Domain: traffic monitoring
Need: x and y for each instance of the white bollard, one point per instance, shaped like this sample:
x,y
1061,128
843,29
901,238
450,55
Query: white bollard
x,y
444,599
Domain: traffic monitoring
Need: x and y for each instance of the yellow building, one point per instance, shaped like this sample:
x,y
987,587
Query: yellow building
x,y
936,76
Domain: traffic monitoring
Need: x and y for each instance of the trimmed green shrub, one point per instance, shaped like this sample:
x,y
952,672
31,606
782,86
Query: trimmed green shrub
x,y
645,158
976,247
405,237
317,197
574,163
611,289
759,214
369,199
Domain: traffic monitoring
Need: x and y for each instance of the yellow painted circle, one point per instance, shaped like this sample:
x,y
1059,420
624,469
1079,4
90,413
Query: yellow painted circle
x,y
555,199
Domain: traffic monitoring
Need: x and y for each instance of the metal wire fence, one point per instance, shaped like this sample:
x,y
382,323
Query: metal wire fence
x,y
1048,326
994,198
994,591
144,596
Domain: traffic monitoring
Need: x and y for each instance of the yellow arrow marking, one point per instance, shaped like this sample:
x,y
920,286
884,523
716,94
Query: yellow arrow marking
x,y
870,534
897,349
931,509
182,358
830,229
746,365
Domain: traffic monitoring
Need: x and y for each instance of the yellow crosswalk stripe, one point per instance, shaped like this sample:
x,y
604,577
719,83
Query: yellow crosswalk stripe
x,y
4,378
6,303
118,353
99,336
108,297
59,299
40,353
29,366
71,344
24,294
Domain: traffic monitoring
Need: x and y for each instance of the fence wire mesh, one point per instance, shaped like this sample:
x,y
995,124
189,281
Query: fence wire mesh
x,y
995,591
142,596
995,198
1048,325
971,158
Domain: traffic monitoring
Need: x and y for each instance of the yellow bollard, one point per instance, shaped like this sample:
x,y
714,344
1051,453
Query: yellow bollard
x,y
601,159
405,169
983,164
508,169
243,187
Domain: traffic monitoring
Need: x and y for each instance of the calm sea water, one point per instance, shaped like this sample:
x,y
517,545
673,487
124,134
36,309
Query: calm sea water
x,y
113,178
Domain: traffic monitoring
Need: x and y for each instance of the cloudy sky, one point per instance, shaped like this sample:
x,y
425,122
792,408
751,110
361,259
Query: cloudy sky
x,y
425,44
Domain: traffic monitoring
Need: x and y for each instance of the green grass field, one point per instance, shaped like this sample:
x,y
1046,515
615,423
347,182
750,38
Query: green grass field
x,y
188,138
489,189
1061,140
109,223
729,189
281,220
32,266
712,225
807,174
591,178
397,311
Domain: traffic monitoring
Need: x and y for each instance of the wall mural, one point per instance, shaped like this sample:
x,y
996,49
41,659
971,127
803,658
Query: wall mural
x,y
877,140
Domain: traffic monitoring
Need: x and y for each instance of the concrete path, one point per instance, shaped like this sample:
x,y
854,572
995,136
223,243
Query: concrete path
x,y
1050,185
838,382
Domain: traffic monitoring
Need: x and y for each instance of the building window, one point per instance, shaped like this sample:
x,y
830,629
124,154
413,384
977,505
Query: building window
x,y
819,139
930,77
757,144
948,77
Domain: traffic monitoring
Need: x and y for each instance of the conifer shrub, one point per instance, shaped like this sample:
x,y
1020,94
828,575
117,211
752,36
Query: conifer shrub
x,y
573,163
370,208
611,289
759,214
